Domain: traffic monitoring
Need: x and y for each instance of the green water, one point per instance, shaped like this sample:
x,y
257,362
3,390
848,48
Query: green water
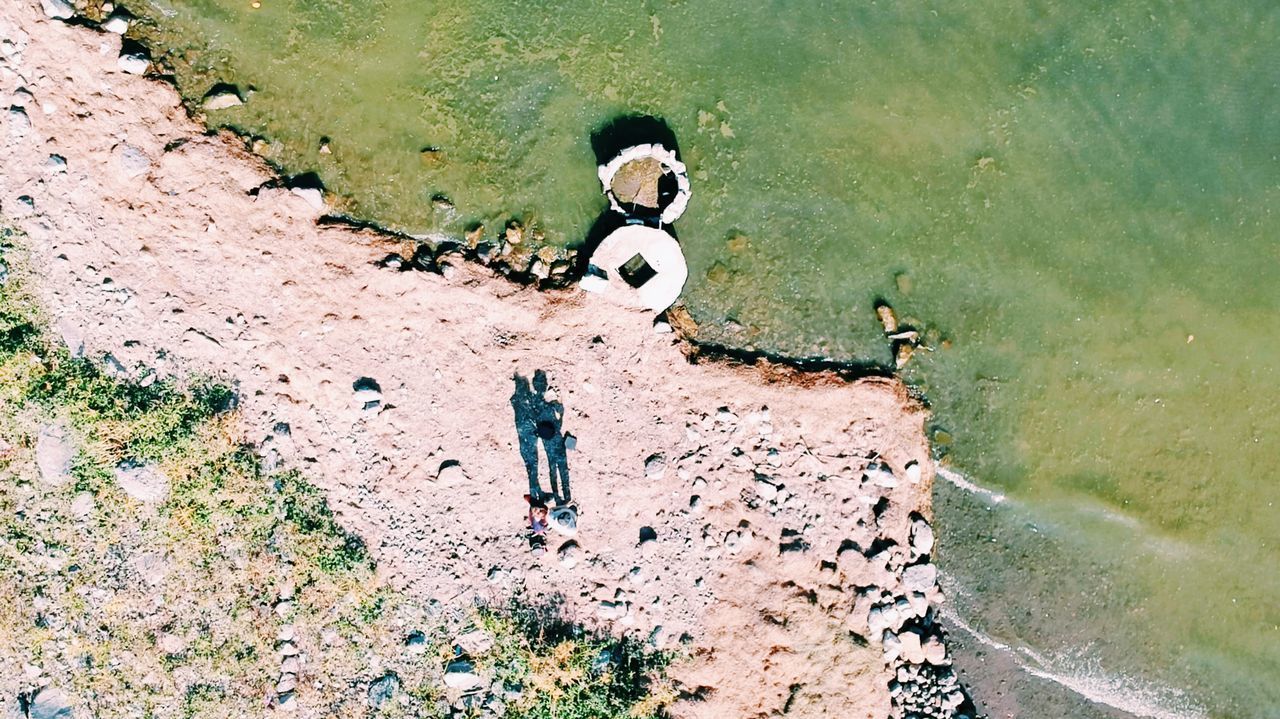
x,y
1078,201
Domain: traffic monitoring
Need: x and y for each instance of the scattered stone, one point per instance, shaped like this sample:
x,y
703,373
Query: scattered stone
x,y
50,703
384,689
368,394
134,63
313,196
58,9
82,505
881,476
144,483
921,538
920,577
290,665
911,649
222,100
288,682
19,122
133,162
461,674
568,554
767,490
475,643
117,23
55,454
416,642
655,466
451,473
913,471
288,702
935,652
56,164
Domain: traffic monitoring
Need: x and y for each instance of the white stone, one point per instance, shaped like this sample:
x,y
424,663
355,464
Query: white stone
x,y
118,24
461,675
144,483
767,490
133,64
133,162
913,472
58,9
222,101
50,703
921,538
82,505
55,454
920,578
311,195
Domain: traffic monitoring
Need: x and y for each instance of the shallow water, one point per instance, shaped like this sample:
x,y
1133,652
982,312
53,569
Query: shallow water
x,y
1077,201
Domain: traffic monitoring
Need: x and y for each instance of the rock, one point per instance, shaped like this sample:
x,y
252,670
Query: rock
x,y
611,610
290,665
56,164
288,682
881,476
55,454
311,195
935,652
171,643
367,393
287,649
133,162
913,471
385,688
892,646
288,702
911,649
570,442
58,9
921,537
50,703
475,643
117,23
767,490
655,466
416,642
888,318
82,505
222,100
568,554
153,567
134,63
144,483
461,675
19,122
920,578
451,473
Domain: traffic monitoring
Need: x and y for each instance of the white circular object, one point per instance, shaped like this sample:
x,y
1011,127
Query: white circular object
x,y
638,266
667,159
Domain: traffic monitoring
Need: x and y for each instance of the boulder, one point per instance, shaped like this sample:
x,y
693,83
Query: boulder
x,y
134,63
55,454
222,100
384,688
461,675
921,538
144,483
655,466
920,578
49,703
117,23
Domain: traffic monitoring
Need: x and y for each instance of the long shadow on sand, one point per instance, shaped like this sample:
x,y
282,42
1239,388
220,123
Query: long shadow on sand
x,y
538,421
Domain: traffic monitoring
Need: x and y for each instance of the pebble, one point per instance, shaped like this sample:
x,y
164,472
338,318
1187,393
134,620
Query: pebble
x,y
19,122
58,9
920,577
116,23
133,63
568,554
385,688
55,454
144,483
655,466
50,703
461,674
767,490
222,101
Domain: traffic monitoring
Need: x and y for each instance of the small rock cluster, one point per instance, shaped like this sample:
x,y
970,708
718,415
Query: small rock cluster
x,y
290,658
517,252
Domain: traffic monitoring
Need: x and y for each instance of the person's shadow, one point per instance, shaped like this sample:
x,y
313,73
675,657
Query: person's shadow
x,y
538,421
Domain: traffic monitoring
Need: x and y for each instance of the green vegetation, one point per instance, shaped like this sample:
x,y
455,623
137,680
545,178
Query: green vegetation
x,y
175,607
568,673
